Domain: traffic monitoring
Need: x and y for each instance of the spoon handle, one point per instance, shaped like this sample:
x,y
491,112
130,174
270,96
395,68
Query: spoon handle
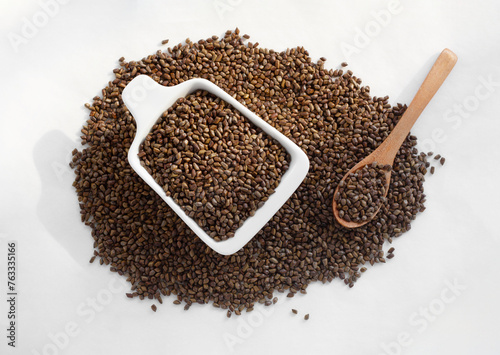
x,y
438,73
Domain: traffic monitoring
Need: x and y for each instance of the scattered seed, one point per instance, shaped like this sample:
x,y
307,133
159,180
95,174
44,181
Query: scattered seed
x,y
442,161
432,169
306,317
294,311
153,307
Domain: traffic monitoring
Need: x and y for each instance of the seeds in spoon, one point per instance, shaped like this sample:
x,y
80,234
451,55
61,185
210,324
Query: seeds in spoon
x,y
362,192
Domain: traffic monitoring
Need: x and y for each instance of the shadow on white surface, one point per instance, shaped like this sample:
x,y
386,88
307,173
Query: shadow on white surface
x,y
57,207
410,89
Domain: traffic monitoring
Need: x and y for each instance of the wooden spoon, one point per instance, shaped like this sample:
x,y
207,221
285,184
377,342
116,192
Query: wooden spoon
x,y
387,151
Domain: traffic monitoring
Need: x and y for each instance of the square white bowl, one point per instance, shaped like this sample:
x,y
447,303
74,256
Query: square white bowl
x,y
147,100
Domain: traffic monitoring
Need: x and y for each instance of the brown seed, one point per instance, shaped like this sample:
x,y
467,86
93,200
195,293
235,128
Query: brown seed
x,y
442,161
153,307
294,311
306,317
432,169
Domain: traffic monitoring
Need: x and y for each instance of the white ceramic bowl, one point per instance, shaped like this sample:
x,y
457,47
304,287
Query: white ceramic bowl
x,y
147,100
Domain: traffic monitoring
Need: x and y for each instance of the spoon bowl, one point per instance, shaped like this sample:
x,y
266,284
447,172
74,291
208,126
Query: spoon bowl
x,y
370,159
387,151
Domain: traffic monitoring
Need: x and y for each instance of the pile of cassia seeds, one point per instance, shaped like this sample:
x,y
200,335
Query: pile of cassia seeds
x,y
328,113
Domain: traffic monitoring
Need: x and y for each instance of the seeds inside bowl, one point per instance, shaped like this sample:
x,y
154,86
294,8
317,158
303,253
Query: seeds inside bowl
x,y
360,195
213,162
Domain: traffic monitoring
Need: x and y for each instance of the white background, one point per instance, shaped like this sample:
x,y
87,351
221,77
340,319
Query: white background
x,y
46,79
